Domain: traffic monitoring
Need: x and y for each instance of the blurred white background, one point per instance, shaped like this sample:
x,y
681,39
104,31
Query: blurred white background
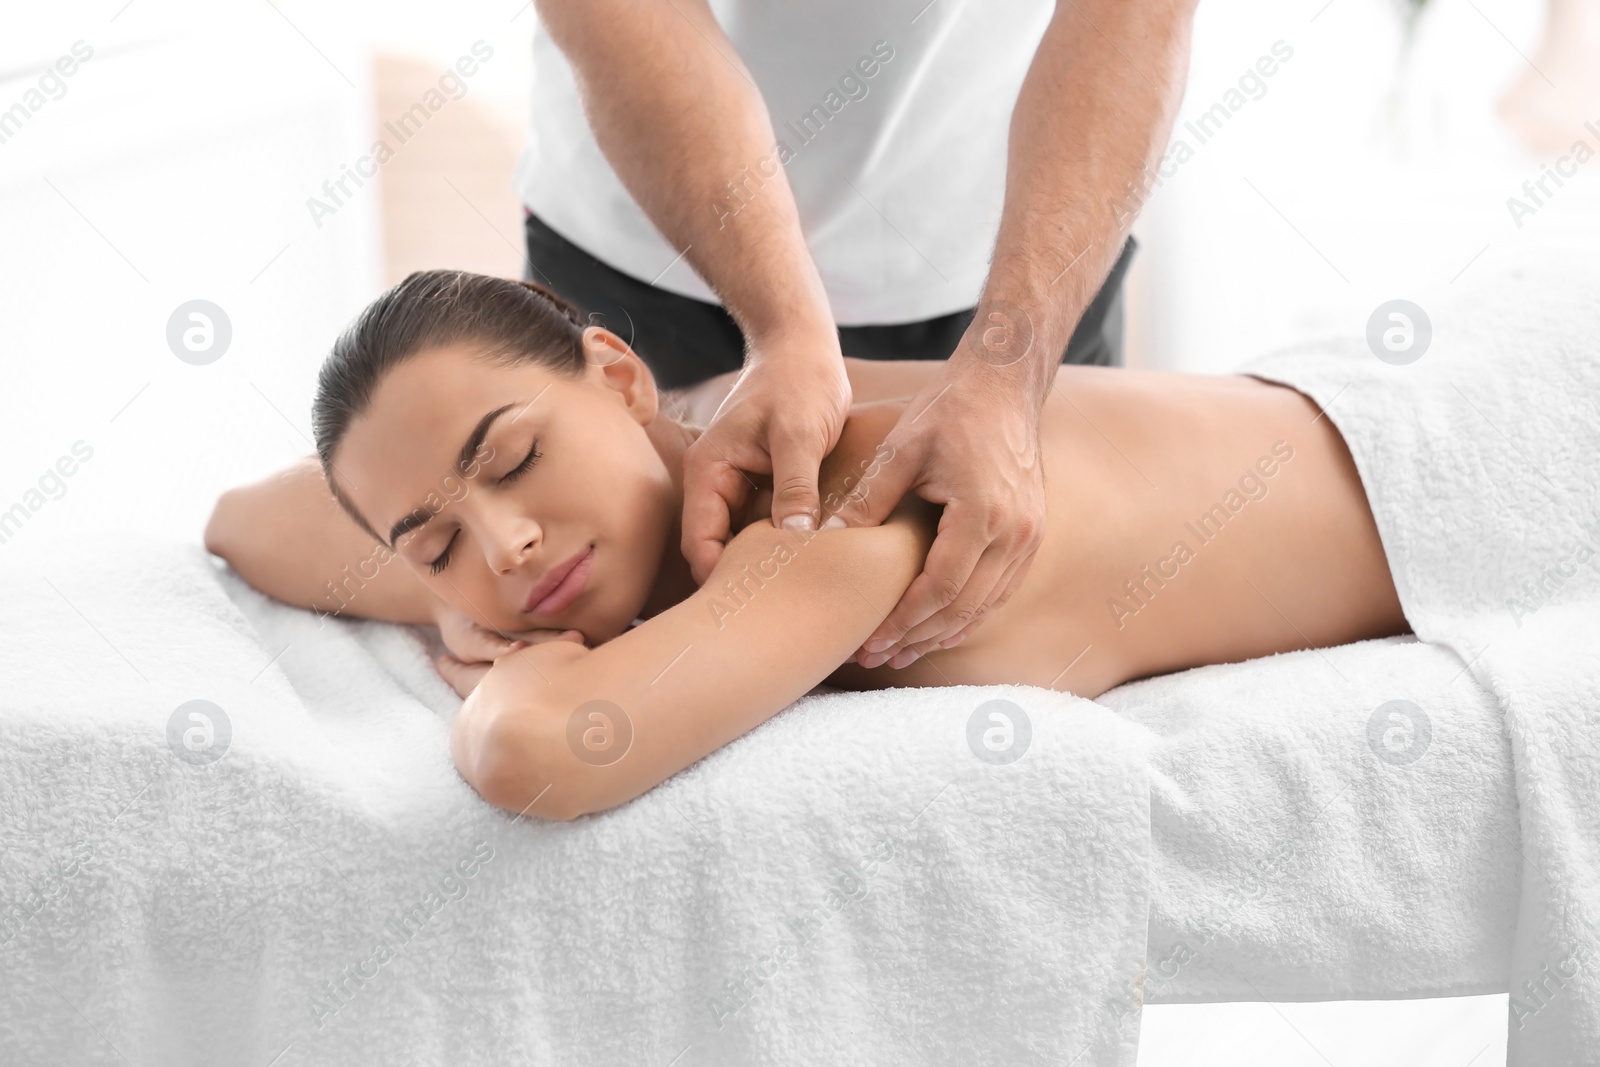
x,y
176,163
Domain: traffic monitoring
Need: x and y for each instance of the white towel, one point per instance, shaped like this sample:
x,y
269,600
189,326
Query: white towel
x,y
1293,861
1481,460
850,883
199,913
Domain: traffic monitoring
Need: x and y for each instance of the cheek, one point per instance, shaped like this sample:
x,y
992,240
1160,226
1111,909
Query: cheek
x,y
637,513
644,499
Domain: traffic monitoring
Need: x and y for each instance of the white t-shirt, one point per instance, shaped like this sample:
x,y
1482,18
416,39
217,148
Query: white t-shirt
x,y
891,118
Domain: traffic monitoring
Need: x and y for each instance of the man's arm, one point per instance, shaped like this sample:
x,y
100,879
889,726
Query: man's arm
x,y
683,125
1095,110
678,117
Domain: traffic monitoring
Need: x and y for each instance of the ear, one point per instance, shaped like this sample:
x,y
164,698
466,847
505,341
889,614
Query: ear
x,y
611,363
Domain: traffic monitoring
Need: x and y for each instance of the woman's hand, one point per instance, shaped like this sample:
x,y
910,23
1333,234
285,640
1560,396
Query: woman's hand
x,y
472,648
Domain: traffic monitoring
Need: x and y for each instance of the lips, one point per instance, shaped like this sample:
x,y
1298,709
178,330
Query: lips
x,y
560,585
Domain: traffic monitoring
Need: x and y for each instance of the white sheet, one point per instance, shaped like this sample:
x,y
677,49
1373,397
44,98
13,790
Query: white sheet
x,y
205,913
849,882
1481,461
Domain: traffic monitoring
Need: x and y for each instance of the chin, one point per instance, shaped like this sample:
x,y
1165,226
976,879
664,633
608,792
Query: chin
x,y
598,631
609,615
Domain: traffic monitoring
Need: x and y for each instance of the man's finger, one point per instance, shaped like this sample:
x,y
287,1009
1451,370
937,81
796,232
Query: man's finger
x,y
796,461
956,551
1009,583
870,498
712,489
946,622
965,615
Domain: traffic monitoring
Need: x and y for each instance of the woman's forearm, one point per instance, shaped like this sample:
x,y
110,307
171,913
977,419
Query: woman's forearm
x,y
289,538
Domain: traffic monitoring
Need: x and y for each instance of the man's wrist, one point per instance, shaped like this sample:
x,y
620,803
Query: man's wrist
x,y
804,335
1021,383
1016,345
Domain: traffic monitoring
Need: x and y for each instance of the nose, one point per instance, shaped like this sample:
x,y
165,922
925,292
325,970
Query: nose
x,y
510,537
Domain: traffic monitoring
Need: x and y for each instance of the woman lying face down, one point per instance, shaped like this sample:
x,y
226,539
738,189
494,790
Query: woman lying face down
x,y
527,472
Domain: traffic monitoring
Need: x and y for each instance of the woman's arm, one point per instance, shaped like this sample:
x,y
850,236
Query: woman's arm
x,y
558,730
289,538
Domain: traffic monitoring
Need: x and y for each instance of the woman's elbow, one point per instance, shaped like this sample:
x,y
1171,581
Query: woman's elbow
x,y
219,536
519,771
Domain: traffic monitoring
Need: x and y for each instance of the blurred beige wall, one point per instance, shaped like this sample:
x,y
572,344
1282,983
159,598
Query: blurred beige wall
x,y
446,193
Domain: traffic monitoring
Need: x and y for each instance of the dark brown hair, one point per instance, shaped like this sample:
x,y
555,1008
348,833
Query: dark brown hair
x,y
511,321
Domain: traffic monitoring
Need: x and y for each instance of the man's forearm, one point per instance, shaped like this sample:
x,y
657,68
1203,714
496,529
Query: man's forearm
x,y
287,537
1095,110
678,117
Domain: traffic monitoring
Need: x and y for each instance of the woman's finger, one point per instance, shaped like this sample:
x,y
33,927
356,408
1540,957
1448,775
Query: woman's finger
x,y
487,645
462,677
523,638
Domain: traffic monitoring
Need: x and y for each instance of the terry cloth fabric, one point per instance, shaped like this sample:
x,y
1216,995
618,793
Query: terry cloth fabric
x,y
293,868
1481,461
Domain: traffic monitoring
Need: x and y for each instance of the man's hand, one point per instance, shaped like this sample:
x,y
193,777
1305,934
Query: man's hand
x,y
782,417
969,441
1091,118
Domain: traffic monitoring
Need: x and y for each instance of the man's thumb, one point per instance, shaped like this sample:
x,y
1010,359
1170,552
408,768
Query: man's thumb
x,y
795,502
795,505
873,494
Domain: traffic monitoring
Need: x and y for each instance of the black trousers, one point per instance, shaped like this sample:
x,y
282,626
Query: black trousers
x,y
685,341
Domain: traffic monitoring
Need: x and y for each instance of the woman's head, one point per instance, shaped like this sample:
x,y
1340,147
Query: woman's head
x,y
478,428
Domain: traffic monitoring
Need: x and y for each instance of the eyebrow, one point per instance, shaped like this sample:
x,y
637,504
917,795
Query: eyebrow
x,y
421,515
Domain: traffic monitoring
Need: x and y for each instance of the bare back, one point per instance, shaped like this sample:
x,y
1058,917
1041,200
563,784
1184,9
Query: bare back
x,y
1190,520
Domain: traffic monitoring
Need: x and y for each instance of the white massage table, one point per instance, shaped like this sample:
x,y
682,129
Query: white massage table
x,y
849,883
174,913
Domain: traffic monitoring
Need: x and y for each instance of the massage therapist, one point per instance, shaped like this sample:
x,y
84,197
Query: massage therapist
x,y
747,183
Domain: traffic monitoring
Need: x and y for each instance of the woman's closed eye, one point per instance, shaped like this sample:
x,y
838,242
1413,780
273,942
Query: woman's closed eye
x,y
529,460
533,456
